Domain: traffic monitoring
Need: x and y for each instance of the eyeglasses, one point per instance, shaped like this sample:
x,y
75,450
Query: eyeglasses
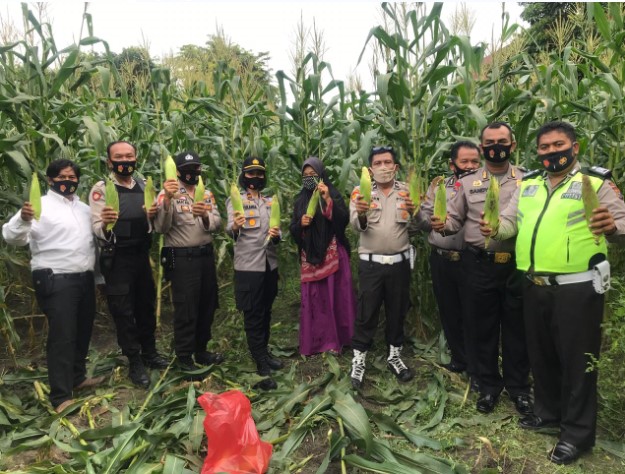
x,y
382,149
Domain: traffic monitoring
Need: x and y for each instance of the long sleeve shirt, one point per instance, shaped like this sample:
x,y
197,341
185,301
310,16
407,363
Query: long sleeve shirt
x,y
60,240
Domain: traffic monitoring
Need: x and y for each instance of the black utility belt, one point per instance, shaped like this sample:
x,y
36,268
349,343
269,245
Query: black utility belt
x,y
47,272
132,249
451,255
494,257
190,251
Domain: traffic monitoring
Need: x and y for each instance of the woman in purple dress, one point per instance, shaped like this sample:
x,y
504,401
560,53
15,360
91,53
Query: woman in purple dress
x,y
328,307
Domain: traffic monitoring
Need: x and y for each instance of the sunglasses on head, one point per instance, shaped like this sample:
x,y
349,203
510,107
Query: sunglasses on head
x,y
383,149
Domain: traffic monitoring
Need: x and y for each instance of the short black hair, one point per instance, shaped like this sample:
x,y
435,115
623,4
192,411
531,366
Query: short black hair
x,y
496,125
557,126
112,144
462,144
378,150
56,166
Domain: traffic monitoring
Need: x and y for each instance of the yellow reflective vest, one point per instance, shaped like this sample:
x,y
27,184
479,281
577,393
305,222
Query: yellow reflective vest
x,y
553,235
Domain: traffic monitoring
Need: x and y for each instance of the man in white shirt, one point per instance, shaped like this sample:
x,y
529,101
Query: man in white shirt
x,y
63,257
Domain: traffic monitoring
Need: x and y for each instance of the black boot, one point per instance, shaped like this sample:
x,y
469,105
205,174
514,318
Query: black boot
x,y
208,358
154,360
264,369
137,373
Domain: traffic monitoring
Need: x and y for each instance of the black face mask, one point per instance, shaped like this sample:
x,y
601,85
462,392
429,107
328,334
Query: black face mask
x,y
189,176
459,172
256,183
497,153
65,187
124,168
309,182
557,160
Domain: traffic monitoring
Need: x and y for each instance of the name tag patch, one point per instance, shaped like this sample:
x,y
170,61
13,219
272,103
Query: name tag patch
x,y
574,191
531,190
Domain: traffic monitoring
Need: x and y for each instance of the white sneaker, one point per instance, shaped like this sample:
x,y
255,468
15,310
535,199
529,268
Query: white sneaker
x,y
358,368
397,366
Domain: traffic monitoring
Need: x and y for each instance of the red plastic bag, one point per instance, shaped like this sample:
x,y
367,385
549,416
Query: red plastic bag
x,y
233,442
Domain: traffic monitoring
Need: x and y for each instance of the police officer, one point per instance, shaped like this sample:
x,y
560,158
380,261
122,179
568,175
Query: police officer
x,y
125,262
448,278
567,273
189,261
383,263
494,291
255,265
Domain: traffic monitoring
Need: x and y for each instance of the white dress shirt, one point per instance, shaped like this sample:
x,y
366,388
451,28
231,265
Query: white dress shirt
x,y
61,239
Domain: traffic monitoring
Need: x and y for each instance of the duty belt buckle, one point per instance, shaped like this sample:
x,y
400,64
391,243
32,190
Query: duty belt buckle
x,y
538,281
454,256
502,257
387,259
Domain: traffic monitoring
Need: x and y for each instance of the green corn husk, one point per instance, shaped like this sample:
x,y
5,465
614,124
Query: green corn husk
x,y
35,196
591,201
491,207
313,203
199,190
235,198
415,188
440,200
170,168
365,185
112,199
274,218
149,194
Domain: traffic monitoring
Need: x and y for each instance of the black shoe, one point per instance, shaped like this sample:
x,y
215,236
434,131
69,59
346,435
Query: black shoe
x,y
262,367
154,360
564,453
475,386
137,373
275,364
208,358
533,422
523,404
486,403
185,363
454,367
266,384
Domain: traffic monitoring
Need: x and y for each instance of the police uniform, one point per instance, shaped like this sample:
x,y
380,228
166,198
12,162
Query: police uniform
x,y
125,265
255,272
562,309
384,274
189,261
449,282
494,289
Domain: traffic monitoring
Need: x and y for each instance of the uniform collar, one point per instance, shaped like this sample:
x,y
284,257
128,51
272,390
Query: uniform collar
x,y
62,199
510,173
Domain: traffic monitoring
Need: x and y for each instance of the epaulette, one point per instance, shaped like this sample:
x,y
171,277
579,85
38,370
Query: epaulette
x,y
523,168
532,174
598,171
466,173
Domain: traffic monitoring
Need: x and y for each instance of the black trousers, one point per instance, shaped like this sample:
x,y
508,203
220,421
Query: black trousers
x,y
449,283
195,297
563,326
379,283
495,306
131,298
68,301
255,293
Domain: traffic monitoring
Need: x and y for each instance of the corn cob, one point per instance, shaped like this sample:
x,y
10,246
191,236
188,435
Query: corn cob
x,y
440,200
111,200
313,203
414,188
35,196
199,190
148,193
365,185
491,207
170,168
235,198
591,201
274,218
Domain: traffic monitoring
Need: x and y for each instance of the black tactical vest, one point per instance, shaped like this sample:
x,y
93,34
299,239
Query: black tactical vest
x,y
131,229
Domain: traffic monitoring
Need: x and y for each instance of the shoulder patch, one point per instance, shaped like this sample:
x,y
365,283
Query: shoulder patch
x,y
96,195
615,188
532,174
598,171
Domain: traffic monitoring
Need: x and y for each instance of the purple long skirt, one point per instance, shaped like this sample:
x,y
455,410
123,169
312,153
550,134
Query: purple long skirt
x,y
328,310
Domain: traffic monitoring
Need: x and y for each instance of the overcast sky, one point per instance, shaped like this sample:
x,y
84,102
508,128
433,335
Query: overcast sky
x,y
256,26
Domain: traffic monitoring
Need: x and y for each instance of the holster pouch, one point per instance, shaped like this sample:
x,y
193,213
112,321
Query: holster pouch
x,y
601,277
43,281
107,255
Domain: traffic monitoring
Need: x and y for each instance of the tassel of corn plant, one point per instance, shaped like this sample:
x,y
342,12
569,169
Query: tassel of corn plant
x,y
149,195
199,190
313,203
591,201
170,168
35,196
414,188
365,185
491,207
112,199
440,200
235,198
